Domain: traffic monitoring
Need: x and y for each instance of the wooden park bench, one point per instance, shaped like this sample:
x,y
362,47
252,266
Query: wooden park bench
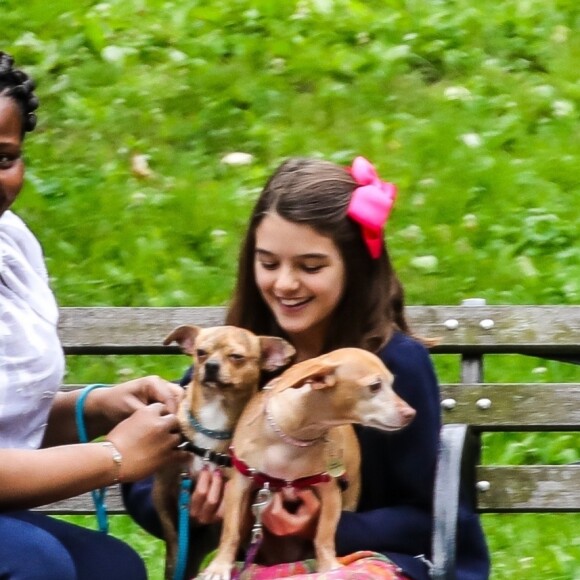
x,y
470,408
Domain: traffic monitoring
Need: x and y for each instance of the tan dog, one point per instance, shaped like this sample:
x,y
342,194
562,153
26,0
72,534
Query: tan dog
x,y
297,432
228,362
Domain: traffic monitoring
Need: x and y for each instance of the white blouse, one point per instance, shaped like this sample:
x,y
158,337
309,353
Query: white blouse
x,y
31,357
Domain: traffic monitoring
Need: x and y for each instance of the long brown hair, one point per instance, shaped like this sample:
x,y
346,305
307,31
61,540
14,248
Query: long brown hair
x,y
317,193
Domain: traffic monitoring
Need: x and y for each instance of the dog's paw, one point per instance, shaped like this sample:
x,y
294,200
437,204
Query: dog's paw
x,y
216,571
329,565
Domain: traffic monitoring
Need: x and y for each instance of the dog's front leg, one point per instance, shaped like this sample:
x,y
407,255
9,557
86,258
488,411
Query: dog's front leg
x,y
324,542
236,500
165,493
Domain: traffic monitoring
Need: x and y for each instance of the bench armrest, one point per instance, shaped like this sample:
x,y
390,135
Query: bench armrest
x,y
455,464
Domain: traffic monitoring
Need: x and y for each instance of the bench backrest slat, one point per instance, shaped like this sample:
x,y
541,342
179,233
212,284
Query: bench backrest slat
x,y
539,330
513,407
541,488
511,489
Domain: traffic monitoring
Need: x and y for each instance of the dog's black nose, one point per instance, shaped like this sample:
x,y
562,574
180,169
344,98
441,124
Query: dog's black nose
x,y
212,369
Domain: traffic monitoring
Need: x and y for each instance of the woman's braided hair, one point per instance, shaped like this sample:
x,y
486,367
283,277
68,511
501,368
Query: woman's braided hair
x,y
19,86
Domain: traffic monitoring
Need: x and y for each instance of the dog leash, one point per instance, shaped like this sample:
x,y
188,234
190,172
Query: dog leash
x,y
219,459
261,502
264,497
98,495
182,526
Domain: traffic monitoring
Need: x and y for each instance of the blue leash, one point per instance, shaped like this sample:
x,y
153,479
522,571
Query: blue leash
x,y
97,494
182,527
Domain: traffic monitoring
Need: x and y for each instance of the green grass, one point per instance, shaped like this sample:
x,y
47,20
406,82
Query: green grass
x,y
472,108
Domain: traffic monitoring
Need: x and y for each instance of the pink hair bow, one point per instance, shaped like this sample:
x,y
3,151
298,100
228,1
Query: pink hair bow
x,y
370,204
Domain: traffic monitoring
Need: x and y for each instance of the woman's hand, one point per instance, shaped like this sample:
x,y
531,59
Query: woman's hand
x,y
105,408
207,506
147,440
292,513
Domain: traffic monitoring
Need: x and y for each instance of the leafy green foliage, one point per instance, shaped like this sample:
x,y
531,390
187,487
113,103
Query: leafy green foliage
x,y
470,107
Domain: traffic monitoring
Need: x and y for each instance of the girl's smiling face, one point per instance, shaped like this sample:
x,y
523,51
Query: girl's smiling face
x,y
11,164
301,277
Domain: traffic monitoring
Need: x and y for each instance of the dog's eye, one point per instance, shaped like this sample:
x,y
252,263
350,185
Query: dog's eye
x,y
375,386
235,357
200,353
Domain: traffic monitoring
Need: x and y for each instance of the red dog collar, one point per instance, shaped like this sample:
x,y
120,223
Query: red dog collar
x,y
275,482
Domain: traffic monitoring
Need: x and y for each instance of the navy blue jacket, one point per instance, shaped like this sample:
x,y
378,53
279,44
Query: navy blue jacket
x,y
394,516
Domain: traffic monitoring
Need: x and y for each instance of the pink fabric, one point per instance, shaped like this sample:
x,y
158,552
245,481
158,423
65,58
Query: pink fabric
x,y
358,566
370,204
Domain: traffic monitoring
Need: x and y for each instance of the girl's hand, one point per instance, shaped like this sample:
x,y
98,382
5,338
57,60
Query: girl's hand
x,y
292,513
147,440
207,506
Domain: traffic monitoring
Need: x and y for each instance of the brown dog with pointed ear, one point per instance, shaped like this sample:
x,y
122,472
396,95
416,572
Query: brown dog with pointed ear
x,y
228,362
298,433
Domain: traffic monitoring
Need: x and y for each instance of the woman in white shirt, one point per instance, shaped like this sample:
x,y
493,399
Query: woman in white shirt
x,y
41,458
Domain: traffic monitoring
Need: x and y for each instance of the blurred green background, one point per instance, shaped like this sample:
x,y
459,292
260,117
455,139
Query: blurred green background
x,y
471,107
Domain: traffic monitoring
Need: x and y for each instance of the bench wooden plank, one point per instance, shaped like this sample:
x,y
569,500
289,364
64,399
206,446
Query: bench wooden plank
x,y
128,330
538,330
513,407
516,489
521,489
542,488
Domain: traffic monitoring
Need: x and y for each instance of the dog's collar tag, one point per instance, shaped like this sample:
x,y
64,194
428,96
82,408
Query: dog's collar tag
x,y
335,467
334,464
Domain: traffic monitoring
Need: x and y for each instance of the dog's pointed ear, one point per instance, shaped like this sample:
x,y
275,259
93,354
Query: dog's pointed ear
x,y
318,374
328,379
276,352
184,336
